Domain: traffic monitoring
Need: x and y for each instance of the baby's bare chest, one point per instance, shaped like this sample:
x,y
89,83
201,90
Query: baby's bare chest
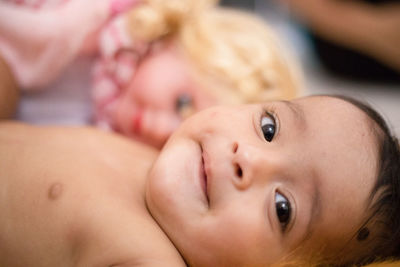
x,y
74,198
61,216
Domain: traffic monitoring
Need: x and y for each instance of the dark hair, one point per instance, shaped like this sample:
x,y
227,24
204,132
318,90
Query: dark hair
x,y
381,230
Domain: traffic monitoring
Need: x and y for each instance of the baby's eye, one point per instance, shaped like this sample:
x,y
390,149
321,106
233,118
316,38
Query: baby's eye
x,y
283,210
184,105
268,127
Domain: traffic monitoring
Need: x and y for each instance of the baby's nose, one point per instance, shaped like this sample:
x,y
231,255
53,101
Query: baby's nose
x,y
253,164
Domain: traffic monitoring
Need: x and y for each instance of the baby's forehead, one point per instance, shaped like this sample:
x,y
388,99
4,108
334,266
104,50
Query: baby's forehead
x,y
340,110
338,145
341,133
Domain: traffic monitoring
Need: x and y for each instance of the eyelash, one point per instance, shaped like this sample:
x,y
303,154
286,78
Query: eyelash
x,y
270,112
288,207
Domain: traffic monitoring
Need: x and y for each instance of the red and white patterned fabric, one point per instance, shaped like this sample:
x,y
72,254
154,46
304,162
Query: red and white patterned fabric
x,y
119,58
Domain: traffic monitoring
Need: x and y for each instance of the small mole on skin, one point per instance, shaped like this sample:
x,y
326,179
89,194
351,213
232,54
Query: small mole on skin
x,y
363,234
55,191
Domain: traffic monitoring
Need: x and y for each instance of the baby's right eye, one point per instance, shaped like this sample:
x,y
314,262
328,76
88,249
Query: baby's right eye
x,y
283,210
268,126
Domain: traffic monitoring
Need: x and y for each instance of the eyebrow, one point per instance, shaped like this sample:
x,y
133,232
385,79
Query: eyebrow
x,y
300,119
315,208
298,113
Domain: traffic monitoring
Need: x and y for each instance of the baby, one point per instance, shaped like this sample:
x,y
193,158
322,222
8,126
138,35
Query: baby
x,y
158,63
303,182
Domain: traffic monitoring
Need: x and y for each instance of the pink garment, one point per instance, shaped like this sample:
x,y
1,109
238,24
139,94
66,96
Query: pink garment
x,y
118,54
37,3
119,58
116,6
39,38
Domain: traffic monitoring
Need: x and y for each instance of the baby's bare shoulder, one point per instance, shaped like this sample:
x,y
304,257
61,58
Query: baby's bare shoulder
x,y
130,238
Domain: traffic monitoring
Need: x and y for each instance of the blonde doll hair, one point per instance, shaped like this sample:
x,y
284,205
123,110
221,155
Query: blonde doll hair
x,y
233,47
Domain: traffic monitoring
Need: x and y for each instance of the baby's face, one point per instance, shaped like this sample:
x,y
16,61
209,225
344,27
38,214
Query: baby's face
x,y
161,94
250,185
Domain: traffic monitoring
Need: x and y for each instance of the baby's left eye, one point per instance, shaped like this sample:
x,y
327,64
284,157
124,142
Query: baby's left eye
x,y
283,210
268,127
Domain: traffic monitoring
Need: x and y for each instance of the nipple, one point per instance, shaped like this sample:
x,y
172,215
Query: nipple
x,y
55,191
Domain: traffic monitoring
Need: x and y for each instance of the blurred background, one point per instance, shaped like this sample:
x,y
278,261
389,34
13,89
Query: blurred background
x,y
380,88
327,70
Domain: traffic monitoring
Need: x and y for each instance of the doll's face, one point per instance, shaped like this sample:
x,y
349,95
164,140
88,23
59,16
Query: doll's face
x,y
250,185
160,96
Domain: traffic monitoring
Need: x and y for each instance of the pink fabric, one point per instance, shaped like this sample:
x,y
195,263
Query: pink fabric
x,y
116,6
37,3
118,56
62,29
119,6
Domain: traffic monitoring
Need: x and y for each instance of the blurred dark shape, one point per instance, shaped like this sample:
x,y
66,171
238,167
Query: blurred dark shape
x,y
245,4
380,1
351,64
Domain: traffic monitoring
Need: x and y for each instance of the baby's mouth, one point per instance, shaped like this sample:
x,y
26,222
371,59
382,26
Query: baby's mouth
x,y
203,176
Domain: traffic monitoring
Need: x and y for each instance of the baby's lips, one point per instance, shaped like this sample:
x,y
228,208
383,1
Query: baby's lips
x,y
137,120
119,6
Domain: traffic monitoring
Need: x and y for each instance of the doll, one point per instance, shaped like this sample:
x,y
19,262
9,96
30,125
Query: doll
x,y
164,60
158,63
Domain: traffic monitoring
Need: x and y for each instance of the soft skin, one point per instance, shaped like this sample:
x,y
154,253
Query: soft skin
x,y
213,187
